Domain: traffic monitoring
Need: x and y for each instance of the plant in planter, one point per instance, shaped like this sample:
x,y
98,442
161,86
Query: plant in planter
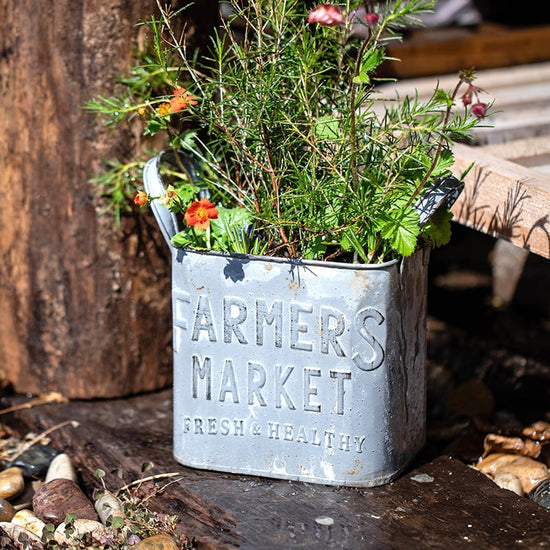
x,y
299,209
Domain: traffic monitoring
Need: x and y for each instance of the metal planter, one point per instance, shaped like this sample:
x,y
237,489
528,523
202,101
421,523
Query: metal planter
x,y
300,370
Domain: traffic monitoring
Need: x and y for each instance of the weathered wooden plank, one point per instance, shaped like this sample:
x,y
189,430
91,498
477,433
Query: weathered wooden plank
x,y
504,199
430,51
448,506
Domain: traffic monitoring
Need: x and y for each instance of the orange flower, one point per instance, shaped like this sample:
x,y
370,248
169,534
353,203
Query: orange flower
x,y
200,213
181,100
141,111
141,198
164,109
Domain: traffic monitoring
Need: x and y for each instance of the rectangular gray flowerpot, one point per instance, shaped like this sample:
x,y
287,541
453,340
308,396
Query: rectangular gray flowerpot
x,y
301,370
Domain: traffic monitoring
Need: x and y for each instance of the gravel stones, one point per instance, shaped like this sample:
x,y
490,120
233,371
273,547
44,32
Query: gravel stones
x,y
7,511
60,497
541,494
11,483
530,472
35,461
158,542
61,467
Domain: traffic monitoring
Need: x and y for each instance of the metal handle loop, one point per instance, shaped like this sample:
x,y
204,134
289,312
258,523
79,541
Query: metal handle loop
x,y
154,186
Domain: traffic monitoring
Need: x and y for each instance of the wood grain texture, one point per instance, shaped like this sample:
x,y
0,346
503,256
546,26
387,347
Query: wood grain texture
x,y
85,309
504,199
441,51
448,506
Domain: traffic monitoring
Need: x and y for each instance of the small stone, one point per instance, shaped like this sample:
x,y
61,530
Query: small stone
x,y
28,520
510,482
530,472
472,399
61,467
158,542
7,511
80,527
422,478
106,506
60,497
541,494
21,537
35,461
11,483
324,520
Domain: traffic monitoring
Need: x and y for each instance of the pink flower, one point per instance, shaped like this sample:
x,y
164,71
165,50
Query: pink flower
x,y
479,109
327,15
372,19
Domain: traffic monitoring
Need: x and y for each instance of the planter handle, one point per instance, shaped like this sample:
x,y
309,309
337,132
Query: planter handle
x,y
154,186
443,192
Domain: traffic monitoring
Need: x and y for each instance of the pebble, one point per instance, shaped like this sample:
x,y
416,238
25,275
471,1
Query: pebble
x,y
510,482
11,483
158,542
108,505
541,494
530,472
80,527
472,399
22,538
61,467
324,520
60,497
34,462
7,511
27,519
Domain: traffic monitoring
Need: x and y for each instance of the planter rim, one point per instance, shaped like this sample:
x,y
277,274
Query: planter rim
x,y
289,261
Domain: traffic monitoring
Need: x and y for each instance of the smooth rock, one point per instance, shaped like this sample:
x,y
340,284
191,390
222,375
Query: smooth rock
x,y
61,467
509,481
472,399
21,537
60,497
158,542
530,472
7,511
106,506
11,483
79,528
28,520
541,494
34,462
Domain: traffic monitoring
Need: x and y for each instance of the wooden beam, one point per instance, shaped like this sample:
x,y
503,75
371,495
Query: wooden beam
x,y
504,199
439,51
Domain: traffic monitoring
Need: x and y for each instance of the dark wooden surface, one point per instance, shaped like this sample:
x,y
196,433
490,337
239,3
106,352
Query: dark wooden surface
x,y
75,293
460,508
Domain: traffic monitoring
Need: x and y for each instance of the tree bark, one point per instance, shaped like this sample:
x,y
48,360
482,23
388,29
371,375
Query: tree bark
x,y
84,308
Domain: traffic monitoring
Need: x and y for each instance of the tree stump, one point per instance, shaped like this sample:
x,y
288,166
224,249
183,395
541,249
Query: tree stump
x,y
85,307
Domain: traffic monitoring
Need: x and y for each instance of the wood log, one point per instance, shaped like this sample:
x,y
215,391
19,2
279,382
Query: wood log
x,y
441,504
85,308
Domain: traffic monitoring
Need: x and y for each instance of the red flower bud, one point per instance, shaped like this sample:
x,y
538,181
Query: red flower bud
x,y
479,109
141,198
372,19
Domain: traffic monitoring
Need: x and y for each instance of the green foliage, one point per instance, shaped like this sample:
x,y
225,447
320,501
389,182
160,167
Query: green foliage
x,y
297,153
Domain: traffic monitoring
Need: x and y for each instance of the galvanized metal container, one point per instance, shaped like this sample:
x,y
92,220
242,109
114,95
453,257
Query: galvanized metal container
x,y
301,370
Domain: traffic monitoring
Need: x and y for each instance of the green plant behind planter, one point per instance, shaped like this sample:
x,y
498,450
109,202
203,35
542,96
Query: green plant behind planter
x,y
297,155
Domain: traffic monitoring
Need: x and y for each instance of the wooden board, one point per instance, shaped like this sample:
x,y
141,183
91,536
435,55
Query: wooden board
x,y
507,194
439,504
440,51
504,199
